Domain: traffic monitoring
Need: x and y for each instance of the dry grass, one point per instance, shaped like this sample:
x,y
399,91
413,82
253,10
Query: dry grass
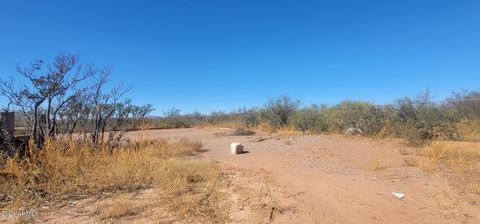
x,y
146,126
403,151
254,201
462,158
410,161
193,189
265,127
3,159
259,200
453,156
428,165
470,130
62,169
120,206
385,132
288,132
374,164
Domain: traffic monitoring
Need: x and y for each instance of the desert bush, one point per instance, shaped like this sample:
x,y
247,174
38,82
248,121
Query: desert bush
x,y
310,119
420,119
278,111
250,118
217,117
362,115
349,114
172,116
466,104
194,119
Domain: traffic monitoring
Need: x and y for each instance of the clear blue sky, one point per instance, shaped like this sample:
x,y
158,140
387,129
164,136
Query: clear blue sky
x,y
220,55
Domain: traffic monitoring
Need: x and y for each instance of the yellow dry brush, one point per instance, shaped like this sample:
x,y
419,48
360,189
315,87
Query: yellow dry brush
x,y
62,168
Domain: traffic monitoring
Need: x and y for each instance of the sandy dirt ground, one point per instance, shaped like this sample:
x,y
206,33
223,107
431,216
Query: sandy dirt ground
x,y
315,179
329,179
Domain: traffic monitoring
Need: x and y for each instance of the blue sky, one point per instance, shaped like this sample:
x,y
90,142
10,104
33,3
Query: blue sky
x,y
220,55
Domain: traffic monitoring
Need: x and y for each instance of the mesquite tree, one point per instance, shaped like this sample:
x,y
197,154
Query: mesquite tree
x,y
279,110
103,104
47,90
69,96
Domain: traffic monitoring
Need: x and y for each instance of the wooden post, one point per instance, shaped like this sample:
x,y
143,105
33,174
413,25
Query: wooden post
x,y
7,121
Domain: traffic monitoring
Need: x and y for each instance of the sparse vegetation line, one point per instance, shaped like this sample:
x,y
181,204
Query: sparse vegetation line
x,y
418,119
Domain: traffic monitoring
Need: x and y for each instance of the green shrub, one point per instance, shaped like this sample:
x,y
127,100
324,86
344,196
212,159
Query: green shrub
x,y
278,111
420,119
310,119
250,118
417,119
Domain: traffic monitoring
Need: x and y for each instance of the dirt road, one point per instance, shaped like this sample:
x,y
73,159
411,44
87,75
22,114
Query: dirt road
x,y
335,179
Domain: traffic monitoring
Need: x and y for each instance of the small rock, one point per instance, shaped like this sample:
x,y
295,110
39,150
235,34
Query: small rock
x,y
236,148
399,195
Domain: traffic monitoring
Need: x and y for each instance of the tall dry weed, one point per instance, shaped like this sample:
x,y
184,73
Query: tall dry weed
x,y
64,168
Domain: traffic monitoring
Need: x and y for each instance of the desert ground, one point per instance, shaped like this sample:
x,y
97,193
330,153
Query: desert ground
x,y
329,179
314,179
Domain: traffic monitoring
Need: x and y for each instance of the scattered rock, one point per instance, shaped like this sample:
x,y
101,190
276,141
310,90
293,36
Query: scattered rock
x,y
236,148
399,195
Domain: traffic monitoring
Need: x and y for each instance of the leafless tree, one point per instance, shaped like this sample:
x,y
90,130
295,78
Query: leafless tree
x,y
173,117
72,97
48,89
104,105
